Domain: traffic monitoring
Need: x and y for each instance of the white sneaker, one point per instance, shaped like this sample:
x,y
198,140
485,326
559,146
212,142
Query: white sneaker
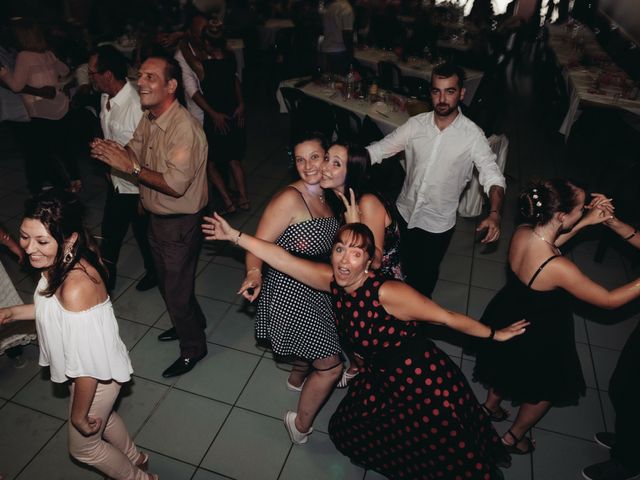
x,y
296,436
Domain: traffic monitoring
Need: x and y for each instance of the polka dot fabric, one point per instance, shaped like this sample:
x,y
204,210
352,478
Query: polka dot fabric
x,y
294,319
410,414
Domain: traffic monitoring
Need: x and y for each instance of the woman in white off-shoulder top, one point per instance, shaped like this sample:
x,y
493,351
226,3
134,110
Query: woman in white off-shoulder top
x,y
78,333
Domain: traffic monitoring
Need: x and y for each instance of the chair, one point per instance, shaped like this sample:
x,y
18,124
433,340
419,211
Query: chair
x,y
348,124
390,76
317,115
293,100
473,196
370,132
417,87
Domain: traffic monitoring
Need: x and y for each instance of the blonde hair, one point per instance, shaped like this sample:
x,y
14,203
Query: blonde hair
x,y
29,36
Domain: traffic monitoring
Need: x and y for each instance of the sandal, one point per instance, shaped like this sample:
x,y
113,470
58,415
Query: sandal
x,y
228,210
513,447
143,461
292,388
346,378
498,415
246,205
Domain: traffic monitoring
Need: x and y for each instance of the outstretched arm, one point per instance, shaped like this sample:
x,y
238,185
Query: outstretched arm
x,y
314,274
405,303
627,232
17,312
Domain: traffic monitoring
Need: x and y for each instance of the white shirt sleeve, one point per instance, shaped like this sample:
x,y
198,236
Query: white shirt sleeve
x,y
190,80
393,143
489,173
347,18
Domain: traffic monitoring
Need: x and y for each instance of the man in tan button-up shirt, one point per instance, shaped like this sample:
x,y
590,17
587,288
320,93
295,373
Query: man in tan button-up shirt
x,y
168,154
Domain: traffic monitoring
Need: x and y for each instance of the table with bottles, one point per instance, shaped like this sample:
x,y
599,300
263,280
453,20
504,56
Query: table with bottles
x,y
415,67
592,77
387,109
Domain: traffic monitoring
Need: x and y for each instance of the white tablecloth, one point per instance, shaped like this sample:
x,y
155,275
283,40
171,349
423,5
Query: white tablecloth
x,y
416,67
384,116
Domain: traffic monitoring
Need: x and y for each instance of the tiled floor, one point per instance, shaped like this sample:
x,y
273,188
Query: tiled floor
x,y
224,419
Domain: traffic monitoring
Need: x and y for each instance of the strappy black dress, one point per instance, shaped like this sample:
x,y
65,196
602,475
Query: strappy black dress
x,y
410,413
292,318
541,364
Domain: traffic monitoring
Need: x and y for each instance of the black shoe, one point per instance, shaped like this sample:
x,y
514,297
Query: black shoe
x,y
609,470
168,335
147,282
605,439
182,365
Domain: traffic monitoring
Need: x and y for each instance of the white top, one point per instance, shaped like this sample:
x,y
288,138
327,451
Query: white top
x,y
80,344
118,124
439,164
191,85
337,17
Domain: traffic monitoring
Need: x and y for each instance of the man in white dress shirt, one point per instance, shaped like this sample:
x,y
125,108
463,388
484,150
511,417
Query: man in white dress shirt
x,y
337,28
441,149
120,113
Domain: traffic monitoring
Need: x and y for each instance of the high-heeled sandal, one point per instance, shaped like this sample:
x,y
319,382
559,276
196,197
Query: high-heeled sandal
x,y
246,205
143,461
513,447
346,378
497,415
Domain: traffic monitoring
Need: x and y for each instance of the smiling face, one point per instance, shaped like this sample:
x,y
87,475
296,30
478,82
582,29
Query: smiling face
x,y
309,157
156,94
350,261
446,95
334,169
38,243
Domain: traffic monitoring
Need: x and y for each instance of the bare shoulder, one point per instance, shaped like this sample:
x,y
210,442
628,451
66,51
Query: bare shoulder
x,y
394,291
81,290
370,202
288,199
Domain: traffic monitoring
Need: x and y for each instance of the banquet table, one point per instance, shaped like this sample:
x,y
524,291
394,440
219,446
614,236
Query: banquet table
x,y
382,114
416,67
581,79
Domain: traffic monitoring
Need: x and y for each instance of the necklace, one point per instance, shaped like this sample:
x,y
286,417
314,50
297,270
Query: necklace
x,y
315,195
555,249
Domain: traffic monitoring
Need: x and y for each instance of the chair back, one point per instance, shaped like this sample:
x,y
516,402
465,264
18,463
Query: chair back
x,y
348,124
390,76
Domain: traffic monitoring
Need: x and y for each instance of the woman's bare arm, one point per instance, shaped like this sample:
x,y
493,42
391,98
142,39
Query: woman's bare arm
x,y
405,303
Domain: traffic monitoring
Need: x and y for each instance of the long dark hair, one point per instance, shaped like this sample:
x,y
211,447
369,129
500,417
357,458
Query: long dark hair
x,y
357,178
61,214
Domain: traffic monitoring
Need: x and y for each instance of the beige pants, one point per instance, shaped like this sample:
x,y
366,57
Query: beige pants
x,y
110,450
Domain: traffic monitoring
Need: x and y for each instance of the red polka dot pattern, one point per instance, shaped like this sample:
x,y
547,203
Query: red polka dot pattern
x,y
410,414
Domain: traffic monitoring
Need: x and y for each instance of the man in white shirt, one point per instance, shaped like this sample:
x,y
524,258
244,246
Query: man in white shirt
x,y
120,113
441,149
337,45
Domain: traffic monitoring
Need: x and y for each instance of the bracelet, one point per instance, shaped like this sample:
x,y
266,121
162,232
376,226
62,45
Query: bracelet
x,y
237,240
492,334
632,235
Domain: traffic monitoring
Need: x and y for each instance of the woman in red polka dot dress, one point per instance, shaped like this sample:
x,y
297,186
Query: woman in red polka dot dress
x,y
410,413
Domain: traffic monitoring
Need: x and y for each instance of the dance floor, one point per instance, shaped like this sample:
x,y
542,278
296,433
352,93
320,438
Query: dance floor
x,y
224,419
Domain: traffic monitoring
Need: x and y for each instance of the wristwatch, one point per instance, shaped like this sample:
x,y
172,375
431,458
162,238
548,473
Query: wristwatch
x,y
136,168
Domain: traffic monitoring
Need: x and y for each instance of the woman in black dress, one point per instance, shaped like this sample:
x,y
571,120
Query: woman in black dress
x,y
224,119
542,368
410,413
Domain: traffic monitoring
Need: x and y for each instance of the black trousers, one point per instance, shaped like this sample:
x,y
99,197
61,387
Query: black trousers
x,y
47,156
120,211
175,244
422,253
624,391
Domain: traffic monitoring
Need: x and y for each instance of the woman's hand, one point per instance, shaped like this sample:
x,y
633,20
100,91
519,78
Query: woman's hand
x,y
252,284
220,122
513,330
217,228
238,114
6,316
352,212
87,425
599,210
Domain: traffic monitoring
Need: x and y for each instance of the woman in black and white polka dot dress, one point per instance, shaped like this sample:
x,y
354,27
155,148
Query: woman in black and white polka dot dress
x,y
297,321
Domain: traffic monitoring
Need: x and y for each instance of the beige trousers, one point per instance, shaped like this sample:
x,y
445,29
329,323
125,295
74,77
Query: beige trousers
x,y
110,450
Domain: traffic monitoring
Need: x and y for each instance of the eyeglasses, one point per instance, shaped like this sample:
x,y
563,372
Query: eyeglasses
x,y
93,72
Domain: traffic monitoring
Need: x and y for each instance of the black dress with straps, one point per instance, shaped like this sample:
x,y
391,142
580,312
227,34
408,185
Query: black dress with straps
x,y
541,364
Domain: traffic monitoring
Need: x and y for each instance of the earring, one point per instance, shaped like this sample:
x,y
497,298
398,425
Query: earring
x,y
68,257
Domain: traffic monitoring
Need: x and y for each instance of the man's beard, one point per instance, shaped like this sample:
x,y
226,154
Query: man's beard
x,y
447,112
